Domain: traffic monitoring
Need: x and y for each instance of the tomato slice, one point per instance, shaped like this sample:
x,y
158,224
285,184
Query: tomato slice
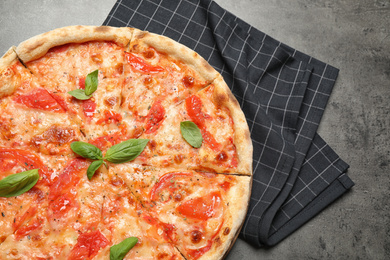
x,y
62,204
110,117
61,101
89,107
68,178
10,157
32,225
166,182
61,199
88,245
107,141
41,99
154,117
141,65
30,221
168,230
82,83
196,253
194,110
209,140
19,220
201,208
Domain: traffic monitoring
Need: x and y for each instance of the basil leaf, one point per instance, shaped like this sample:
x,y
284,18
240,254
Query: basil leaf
x,y
86,150
93,167
18,183
126,151
119,251
191,133
91,82
79,94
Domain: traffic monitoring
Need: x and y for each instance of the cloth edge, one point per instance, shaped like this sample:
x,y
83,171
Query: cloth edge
x,y
337,188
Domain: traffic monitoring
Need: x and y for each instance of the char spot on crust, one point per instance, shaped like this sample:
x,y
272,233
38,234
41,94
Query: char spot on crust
x,y
134,47
234,100
217,241
220,99
142,35
102,29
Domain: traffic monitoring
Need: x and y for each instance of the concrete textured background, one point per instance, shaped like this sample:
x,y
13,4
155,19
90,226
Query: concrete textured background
x,y
352,35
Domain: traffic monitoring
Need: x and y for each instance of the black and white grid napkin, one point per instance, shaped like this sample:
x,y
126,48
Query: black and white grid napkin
x,y
283,94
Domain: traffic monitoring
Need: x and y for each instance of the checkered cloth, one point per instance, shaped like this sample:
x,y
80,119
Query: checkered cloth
x,y
283,94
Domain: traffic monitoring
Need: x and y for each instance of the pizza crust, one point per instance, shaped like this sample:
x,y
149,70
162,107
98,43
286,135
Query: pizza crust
x,y
7,83
237,201
143,39
242,140
39,45
8,58
239,194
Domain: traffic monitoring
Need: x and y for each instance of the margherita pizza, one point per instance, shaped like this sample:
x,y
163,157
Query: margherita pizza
x,y
117,143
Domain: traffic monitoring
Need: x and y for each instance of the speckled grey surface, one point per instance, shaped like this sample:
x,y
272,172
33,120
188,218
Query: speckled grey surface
x,y
351,35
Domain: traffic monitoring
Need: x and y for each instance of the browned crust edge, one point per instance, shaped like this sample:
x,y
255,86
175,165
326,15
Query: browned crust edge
x,y
242,139
8,58
242,221
176,50
7,87
39,45
238,199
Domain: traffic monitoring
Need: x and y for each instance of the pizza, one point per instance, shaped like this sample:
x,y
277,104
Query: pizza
x,y
116,143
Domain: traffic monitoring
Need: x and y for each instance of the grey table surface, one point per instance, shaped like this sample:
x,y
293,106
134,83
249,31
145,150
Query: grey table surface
x,y
352,35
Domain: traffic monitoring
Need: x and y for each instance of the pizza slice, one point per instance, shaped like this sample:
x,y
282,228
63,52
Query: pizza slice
x,y
12,73
159,73
122,217
33,120
184,196
25,218
34,123
21,215
225,144
198,212
27,108
86,62
77,218
55,217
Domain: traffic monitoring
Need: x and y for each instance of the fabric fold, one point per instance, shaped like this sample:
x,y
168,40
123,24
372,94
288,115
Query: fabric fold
x,y
283,94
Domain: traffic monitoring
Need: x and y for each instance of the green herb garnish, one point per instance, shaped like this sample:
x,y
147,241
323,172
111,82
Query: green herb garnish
x,y
87,150
79,94
18,183
126,151
191,133
93,167
91,84
119,251
120,153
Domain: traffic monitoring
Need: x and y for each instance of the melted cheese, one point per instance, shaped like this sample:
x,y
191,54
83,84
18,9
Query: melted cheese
x,y
141,180
117,201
